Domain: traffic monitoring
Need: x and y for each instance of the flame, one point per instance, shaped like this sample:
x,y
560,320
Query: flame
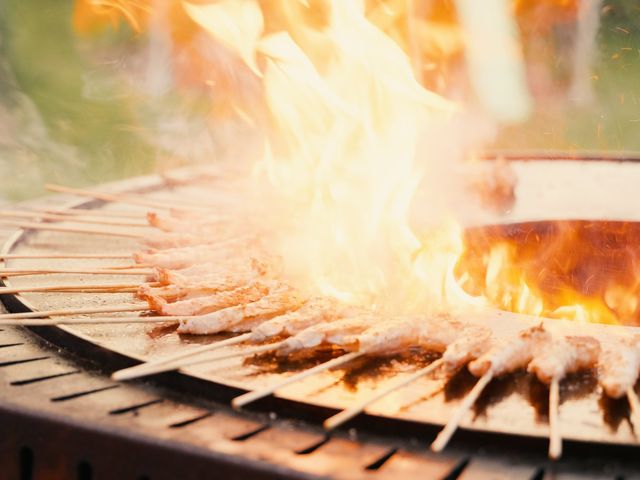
x,y
582,271
342,158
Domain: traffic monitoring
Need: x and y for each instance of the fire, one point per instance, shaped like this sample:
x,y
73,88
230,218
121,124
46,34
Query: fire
x,y
344,160
580,270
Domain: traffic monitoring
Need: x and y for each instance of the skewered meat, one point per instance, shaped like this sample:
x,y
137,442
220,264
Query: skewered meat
x,y
341,332
181,257
511,354
473,342
619,365
563,356
317,310
176,240
278,301
210,303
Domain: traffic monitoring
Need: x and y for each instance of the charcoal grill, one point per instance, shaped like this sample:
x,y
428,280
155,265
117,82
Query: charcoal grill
x,y
63,418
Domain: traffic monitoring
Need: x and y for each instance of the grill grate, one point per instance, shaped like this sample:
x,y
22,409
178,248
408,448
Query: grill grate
x,y
60,417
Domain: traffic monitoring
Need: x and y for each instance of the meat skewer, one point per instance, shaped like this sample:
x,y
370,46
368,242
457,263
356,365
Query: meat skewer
x,y
74,288
21,272
505,357
314,311
619,367
470,344
559,358
76,219
132,199
64,228
36,256
360,335
75,311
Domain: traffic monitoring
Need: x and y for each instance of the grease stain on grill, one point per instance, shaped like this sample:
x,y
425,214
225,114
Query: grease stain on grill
x,y
614,411
377,464
190,421
28,381
252,433
314,446
134,408
71,396
19,362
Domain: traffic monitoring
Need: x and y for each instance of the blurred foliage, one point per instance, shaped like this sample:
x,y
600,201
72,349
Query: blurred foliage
x,y
53,129
612,121
68,114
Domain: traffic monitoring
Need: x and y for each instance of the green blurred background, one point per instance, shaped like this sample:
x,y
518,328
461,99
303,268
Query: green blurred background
x,y
68,115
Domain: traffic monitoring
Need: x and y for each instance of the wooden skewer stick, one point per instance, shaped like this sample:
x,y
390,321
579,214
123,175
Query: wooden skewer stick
x,y
96,212
76,311
37,322
20,272
249,397
447,432
88,288
555,438
64,228
347,414
634,406
122,197
74,219
97,256
168,363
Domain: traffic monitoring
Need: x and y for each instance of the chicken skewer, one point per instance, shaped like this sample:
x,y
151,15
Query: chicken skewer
x,y
504,357
314,311
360,335
559,358
470,344
73,219
619,367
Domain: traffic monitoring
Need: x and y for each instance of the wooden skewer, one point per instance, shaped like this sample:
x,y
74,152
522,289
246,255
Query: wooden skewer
x,y
95,213
347,414
76,311
555,438
74,219
249,397
168,363
122,197
63,228
37,322
98,256
16,272
76,287
447,432
634,406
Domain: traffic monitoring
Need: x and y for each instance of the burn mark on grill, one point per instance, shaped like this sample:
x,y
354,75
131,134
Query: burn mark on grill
x,y
498,390
457,470
190,421
272,363
7,345
459,385
29,381
377,464
614,411
18,362
578,385
246,436
314,446
71,396
135,408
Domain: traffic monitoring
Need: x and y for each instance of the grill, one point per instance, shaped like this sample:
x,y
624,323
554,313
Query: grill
x,y
63,417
